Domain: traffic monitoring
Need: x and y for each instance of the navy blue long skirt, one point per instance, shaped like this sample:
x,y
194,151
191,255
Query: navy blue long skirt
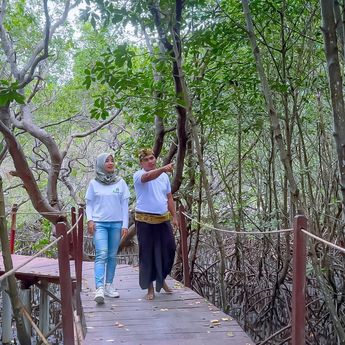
x,y
156,253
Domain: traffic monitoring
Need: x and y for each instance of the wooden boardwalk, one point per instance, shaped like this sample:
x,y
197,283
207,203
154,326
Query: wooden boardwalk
x,y
180,318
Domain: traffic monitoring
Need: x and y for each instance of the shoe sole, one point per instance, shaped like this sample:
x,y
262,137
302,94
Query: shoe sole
x,y
111,296
99,299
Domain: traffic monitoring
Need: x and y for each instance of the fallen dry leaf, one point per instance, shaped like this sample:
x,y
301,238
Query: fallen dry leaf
x,y
214,323
178,286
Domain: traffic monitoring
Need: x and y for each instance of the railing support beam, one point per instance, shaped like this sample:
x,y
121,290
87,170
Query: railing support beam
x,y
13,227
184,246
44,307
79,259
298,283
65,285
6,316
25,297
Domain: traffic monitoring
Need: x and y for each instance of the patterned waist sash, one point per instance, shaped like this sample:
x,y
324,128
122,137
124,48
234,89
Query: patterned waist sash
x,y
152,218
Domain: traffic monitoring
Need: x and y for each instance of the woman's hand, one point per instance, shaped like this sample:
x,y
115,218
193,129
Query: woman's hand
x,y
91,227
124,232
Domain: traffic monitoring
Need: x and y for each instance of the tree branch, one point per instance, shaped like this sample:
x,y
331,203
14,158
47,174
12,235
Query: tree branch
x,y
93,130
24,172
6,43
35,59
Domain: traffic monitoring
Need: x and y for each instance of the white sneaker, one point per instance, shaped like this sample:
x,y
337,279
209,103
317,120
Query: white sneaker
x,y
99,295
110,291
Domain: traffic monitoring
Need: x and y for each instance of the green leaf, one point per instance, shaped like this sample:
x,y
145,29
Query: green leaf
x,y
4,100
104,114
87,82
181,102
9,93
18,98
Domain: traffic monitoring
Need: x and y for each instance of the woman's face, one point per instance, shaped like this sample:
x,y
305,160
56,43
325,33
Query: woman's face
x,y
109,164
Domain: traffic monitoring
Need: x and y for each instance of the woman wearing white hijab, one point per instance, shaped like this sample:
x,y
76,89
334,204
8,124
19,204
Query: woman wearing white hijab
x,y
107,214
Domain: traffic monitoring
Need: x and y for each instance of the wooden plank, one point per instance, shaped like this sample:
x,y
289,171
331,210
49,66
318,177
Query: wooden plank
x,y
38,268
180,318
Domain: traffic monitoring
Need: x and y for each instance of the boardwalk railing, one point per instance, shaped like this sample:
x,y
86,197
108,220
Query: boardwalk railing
x,y
70,245
298,281
67,290
299,260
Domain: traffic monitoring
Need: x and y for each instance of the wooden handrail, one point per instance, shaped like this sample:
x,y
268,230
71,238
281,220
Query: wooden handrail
x,y
299,273
64,240
64,250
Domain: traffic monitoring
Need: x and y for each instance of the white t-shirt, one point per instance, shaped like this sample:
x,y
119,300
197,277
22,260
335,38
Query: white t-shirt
x,y
152,195
107,203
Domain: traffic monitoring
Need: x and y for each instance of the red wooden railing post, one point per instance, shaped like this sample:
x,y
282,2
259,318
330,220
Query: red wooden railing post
x,y
184,246
79,258
74,233
13,226
80,245
65,285
298,282
76,261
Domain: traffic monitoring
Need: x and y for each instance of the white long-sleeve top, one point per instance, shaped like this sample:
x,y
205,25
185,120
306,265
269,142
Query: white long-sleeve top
x,y
107,203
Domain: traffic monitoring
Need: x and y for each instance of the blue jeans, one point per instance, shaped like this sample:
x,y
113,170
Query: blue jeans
x,y
106,240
